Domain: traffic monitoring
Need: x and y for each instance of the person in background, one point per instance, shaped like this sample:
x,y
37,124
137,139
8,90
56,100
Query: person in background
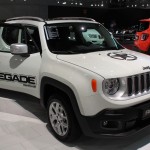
x,y
113,26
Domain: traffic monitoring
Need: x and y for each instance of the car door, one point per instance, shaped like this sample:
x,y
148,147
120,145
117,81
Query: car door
x,y
20,72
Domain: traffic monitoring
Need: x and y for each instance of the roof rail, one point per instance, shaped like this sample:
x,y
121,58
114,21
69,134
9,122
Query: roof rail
x,y
26,18
73,18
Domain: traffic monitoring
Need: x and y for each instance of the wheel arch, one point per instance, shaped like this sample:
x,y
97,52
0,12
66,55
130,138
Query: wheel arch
x,y
73,101
55,86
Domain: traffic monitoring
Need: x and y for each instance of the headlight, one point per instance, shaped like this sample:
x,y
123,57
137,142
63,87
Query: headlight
x,y
111,86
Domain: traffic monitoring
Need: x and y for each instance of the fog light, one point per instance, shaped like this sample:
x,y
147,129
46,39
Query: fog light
x,y
107,124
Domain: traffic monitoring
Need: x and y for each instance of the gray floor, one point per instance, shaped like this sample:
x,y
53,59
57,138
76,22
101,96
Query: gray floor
x,y
23,126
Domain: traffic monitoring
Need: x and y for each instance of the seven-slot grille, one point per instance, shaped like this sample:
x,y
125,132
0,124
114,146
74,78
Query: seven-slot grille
x,y
138,84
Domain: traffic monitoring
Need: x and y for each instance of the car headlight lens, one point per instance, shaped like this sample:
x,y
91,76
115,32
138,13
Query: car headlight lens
x,y
111,86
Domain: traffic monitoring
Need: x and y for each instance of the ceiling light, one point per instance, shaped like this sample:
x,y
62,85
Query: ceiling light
x,y
64,3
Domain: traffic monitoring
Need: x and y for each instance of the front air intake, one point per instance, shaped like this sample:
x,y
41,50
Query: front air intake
x,y
138,84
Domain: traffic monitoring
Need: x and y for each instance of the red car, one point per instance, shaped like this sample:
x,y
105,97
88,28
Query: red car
x,y
142,37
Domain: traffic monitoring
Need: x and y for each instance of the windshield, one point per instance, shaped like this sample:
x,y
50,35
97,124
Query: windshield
x,y
143,26
74,38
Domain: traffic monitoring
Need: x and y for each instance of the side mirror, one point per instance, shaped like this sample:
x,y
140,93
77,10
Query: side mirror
x,y
19,49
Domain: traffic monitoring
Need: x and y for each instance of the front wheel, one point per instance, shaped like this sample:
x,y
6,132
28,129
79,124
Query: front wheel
x,y
62,119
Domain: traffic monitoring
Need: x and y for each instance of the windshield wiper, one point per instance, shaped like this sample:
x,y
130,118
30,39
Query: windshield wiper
x,y
82,51
115,48
112,48
85,50
65,52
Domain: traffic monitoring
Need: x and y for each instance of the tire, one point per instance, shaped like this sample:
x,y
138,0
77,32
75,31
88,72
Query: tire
x,y
62,120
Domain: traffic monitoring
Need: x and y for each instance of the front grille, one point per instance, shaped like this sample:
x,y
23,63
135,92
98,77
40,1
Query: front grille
x,y
138,84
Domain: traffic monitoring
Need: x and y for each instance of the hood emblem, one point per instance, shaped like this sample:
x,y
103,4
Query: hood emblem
x,y
122,56
146,68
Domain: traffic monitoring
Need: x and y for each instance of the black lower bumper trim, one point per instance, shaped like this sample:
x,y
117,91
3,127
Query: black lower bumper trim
x,y
118,122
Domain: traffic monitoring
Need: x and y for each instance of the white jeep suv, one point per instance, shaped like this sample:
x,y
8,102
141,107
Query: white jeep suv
x,y
85,79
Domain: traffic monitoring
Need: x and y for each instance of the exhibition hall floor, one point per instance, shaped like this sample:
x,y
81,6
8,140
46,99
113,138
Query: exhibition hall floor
x,y
23,127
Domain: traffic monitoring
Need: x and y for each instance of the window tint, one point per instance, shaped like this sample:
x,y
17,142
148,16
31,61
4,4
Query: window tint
x,y
10,35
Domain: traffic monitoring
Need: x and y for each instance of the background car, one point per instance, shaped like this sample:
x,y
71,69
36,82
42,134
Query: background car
x,y
126,34
142,37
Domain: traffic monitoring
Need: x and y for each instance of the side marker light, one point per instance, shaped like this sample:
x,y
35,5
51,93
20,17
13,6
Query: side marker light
x,y
94,85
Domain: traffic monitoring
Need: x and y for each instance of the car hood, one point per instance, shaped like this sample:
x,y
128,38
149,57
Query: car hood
x,y
112,63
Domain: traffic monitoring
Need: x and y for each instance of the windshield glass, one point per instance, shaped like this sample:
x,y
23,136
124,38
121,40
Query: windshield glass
x,y
73,38
143,26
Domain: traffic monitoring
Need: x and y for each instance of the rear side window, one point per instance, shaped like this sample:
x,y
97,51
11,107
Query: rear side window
x,y
144,26
10,35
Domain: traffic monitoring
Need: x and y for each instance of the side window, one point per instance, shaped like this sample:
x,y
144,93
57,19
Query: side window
x,y
32,39
9,35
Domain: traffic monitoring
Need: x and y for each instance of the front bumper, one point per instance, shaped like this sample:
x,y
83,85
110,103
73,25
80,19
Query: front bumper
x,y
118,122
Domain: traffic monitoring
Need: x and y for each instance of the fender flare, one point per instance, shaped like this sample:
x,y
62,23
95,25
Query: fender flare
x,y
61,86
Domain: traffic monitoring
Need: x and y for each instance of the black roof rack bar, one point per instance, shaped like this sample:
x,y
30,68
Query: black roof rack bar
x,y
26,18
73,18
